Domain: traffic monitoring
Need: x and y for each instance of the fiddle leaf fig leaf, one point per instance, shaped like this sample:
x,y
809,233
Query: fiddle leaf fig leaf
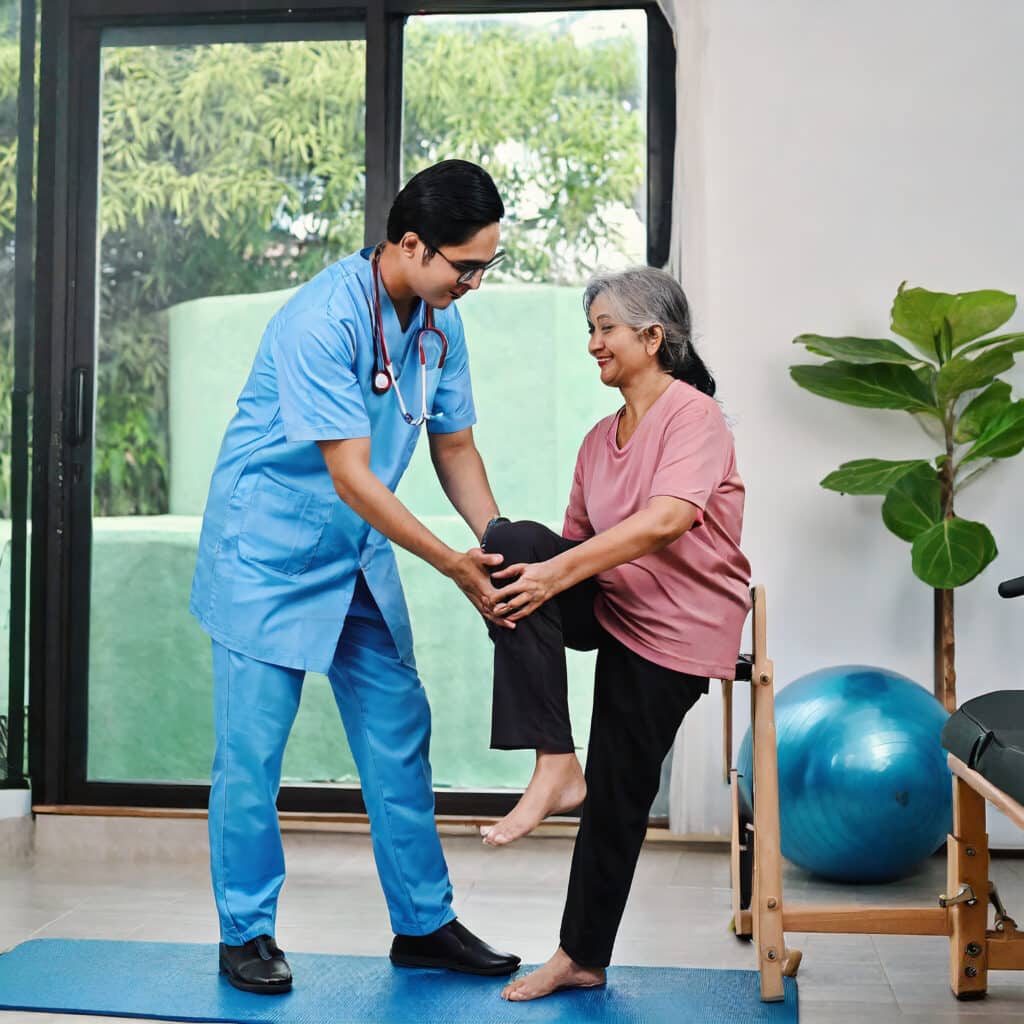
x,y
918,314
962,374
914,503
1015,343
875,386
952,553
982,410
1002,438
973,314
869,476
857,350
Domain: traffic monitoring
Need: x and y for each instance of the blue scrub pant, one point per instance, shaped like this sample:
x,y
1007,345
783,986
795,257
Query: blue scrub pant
x,y
387,719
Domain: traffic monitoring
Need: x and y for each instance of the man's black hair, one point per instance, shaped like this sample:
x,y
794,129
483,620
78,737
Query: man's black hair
x,y
446,204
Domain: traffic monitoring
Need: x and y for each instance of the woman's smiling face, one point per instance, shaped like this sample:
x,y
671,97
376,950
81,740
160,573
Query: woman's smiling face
x,y
620,351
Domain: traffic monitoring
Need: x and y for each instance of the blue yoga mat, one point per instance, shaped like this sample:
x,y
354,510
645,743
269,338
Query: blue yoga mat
x,y
172,981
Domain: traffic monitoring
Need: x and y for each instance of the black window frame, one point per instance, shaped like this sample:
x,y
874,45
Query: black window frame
x,y
67,198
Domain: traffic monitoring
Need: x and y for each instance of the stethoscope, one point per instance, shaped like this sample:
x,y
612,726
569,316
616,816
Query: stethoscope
x,y
384,376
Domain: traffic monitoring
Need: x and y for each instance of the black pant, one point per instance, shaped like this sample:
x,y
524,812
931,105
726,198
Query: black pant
x,y
638,708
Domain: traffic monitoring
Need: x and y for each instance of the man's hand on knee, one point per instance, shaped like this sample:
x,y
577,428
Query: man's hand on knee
x,y
471,573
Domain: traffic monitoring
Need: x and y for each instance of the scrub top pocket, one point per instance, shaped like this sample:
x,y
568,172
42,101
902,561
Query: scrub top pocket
x,y
282,528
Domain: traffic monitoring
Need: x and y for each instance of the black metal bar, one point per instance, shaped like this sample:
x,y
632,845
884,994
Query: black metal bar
x,y
190,10
249,31
80,360
512,6
24,244
384,32
46,683
325,799
198,11
661,135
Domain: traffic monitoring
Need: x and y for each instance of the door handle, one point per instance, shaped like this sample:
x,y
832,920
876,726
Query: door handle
x,y
79,381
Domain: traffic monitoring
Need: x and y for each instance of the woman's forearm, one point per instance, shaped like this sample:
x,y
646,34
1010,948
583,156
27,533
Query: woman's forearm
x,y
649,530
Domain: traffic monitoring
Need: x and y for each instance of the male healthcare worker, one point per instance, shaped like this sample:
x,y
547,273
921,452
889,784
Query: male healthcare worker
x,y
295,572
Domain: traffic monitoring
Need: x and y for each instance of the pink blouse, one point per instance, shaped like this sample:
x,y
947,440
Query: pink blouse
x,y
682,607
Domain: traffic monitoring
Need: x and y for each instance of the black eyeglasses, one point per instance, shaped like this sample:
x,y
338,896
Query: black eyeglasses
x,y
467,271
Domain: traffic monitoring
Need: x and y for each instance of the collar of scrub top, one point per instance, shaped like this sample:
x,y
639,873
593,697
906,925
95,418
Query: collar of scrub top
x,y
384,376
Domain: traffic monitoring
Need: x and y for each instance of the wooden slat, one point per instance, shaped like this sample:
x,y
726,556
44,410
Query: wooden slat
x,y
1006,953
850,919
1013,810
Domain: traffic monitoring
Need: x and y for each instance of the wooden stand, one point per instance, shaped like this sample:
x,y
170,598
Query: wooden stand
x,y
756,862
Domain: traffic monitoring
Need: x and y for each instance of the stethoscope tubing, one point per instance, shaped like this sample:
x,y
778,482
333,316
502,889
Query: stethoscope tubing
x,y
384,377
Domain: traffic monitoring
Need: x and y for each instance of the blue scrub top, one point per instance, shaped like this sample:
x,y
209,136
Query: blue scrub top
x,y
279,551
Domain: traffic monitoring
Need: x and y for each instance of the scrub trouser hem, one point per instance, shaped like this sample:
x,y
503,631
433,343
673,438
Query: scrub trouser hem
x,y
260,928
422,930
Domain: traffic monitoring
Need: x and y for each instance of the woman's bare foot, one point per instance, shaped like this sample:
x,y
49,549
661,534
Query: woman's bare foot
x,y
561,971
557,785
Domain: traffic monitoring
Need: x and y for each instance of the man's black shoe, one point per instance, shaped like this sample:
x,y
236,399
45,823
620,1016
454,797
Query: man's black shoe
x,y
258,966
452,947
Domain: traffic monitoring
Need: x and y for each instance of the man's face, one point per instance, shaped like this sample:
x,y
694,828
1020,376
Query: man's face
x,y
436,280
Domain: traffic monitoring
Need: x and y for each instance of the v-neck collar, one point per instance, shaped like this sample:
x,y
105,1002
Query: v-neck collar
x,y
613,432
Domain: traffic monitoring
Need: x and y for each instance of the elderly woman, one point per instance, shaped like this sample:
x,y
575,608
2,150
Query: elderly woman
x,y
649,572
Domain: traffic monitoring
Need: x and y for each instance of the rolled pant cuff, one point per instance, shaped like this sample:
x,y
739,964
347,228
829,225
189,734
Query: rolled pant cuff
x,y
550,744
584,958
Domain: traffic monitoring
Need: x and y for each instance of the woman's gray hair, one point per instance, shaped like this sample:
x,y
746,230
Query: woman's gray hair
x,y
644,297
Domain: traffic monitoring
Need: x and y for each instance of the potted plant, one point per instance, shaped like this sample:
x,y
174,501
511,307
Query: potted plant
x,y
949,382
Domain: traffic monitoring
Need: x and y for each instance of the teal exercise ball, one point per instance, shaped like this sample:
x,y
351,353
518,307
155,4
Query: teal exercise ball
x,y
864,790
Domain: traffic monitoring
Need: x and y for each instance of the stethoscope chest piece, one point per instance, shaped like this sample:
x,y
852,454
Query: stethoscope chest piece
x,y
381,382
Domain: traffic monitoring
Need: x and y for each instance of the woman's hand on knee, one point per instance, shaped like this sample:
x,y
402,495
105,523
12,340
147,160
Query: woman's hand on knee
x,y
532,584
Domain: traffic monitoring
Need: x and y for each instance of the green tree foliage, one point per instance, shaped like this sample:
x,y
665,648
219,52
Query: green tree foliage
x,y
558,126
230,169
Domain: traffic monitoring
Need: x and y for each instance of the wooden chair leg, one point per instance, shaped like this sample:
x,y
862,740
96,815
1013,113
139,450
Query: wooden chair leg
x,y
967,893
766,905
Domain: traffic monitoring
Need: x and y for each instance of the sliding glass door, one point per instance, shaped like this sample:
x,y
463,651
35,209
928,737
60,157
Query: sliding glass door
x,y
199,161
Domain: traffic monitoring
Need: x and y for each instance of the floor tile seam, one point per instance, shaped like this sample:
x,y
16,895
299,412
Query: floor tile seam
x,y
52,921
885,973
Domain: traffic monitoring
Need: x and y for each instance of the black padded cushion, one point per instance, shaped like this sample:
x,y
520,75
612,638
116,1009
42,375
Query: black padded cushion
x,y
987,734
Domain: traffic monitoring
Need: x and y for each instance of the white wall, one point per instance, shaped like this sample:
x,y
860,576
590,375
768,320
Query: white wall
x,y
829,151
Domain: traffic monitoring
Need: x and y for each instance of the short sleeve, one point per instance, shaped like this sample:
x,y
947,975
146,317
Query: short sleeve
x,y
577,524
695,450
320,397
453,399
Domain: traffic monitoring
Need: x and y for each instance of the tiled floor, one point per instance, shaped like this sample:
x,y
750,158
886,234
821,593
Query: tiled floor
x,y
678,915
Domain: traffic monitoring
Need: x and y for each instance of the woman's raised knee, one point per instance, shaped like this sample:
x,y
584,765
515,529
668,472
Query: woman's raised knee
x,y
520,541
